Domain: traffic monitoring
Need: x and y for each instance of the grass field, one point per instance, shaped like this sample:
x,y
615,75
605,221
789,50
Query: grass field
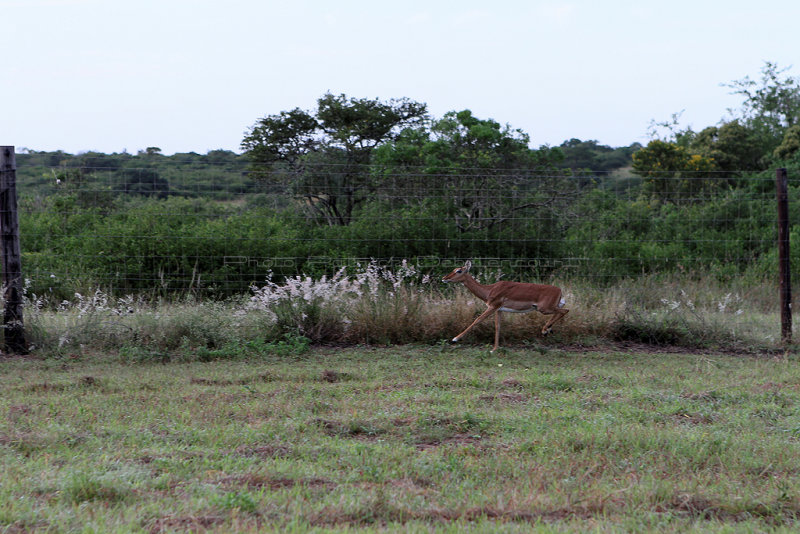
x,y
411,438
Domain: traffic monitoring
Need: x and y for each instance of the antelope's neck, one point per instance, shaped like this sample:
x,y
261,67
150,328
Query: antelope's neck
x,y
475,288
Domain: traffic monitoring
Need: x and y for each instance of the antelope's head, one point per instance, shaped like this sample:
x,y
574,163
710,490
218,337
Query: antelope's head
x,y
458,274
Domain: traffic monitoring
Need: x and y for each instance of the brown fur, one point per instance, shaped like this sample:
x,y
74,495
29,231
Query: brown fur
x,y
510,296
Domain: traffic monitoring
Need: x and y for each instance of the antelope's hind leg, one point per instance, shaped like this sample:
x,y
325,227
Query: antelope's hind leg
x,y
496,329
556,316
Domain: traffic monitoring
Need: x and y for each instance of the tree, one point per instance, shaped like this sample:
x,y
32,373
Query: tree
x,y
580,154
592,156
325,157
672,173
487,170
790,144
465,142
283,138
357,126
733,147
770,105
142,181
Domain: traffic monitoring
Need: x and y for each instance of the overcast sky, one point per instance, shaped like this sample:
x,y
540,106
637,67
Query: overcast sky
x,y
194,75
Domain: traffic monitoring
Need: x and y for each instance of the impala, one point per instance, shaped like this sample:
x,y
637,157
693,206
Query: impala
x,y
514,297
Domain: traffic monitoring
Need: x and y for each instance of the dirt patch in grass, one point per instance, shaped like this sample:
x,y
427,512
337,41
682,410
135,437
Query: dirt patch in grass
x,y
331,376
24,527
404,421
186,523
266,451
274,483
699,507
45,387
506,398
639,347
18,411
700,396
209,382
768,387
693,419
695,507
382,513
770,472
412,483
27,442
264,377
352,429
513,383
89,381
457,439
423,434
516,516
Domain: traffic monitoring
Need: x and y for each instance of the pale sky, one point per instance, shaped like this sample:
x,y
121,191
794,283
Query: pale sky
x,y
194,75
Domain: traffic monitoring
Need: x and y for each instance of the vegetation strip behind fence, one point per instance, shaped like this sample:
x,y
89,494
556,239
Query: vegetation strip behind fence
x,y
211,226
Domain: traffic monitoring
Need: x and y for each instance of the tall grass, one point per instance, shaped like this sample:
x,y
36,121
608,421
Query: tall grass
x,y
374,305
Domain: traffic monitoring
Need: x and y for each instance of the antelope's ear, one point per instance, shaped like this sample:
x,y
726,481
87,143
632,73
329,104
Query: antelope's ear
x,y
467,266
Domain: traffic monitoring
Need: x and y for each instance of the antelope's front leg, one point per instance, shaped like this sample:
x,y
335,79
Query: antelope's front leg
x,y
480,318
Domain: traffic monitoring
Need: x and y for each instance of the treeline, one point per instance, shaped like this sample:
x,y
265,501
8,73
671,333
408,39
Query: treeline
x,y
361,178
218,174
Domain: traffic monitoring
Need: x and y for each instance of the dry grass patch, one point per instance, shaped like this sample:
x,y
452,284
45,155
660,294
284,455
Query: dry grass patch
x,y
378,306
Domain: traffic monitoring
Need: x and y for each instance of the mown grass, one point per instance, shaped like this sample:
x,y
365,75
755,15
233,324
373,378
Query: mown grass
x,y
412,438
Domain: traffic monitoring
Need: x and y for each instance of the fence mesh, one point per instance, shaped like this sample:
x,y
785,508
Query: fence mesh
x,y
222,228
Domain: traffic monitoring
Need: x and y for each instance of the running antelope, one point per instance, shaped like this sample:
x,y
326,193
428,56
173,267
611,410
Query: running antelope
x,y
514,297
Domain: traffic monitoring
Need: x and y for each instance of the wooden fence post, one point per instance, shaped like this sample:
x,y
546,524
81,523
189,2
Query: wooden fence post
x,y
784,263
13,327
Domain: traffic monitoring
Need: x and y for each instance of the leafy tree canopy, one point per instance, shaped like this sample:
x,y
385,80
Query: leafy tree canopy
x,y
749,141
353,126
462,141
591,155
672,172
771,104
323,155
790,145
732,146
489,171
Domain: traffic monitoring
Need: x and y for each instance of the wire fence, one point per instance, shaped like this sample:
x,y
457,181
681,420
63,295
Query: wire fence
x,y
222,228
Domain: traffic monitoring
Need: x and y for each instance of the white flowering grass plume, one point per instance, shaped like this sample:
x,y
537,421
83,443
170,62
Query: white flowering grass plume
x,y
327,308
